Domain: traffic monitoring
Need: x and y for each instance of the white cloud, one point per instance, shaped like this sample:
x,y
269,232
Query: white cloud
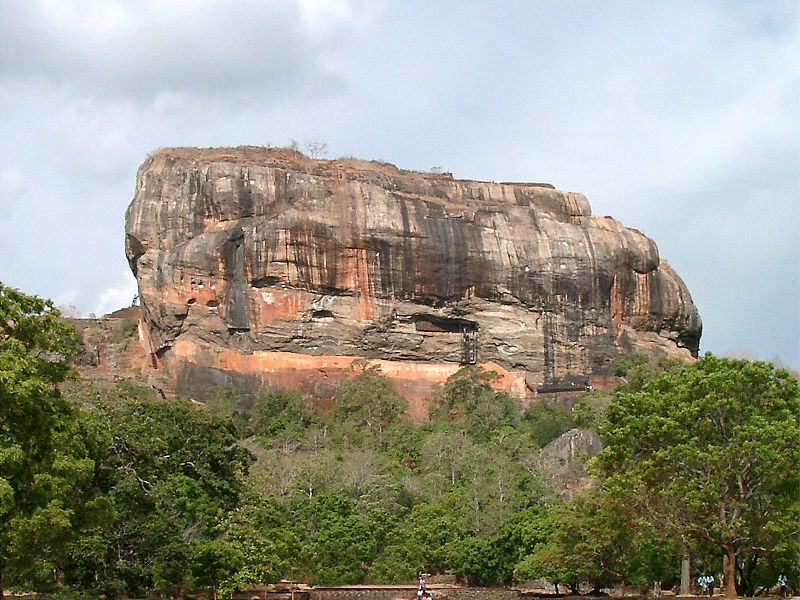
x,y
117,297
326,16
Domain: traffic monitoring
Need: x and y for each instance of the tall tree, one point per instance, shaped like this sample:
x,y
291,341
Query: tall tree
x,y
710,452
592,541
48,450
469,400
342,543
368,407
173,471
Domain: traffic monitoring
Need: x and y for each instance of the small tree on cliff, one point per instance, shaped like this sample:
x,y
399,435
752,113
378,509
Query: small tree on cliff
x,y
710,452
316,149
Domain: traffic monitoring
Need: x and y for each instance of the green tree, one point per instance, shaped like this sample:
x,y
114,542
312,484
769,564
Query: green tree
x,y
477,561
646,368
48,448
427,538
280,411
528,530
710,452
469,400
173,471
225,400
342,543
215,564
590,411
590,543
441,460
546,421
369,408
253,544
492,488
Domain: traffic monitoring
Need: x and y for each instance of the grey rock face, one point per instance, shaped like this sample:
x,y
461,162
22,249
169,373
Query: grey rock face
x,y
255,249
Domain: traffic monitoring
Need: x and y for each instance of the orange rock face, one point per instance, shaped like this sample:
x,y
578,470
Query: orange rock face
x,y
263,266
295,371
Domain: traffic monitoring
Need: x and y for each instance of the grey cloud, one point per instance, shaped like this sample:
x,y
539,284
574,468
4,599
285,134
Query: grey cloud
x,y
681,119
138,49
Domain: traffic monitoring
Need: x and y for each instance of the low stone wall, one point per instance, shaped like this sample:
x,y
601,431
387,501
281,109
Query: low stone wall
x,y
477,594
409,593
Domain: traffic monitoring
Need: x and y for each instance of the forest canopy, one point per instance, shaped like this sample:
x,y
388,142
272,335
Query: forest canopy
x,y
111,489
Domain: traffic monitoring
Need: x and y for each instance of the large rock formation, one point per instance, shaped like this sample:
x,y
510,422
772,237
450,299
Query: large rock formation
x,y
264,265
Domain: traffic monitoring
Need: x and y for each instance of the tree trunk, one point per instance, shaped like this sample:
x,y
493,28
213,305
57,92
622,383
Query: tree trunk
x,y
684,589
574,587
746,569
729,571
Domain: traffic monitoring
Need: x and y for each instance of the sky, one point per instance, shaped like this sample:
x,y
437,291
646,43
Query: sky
x,y
681,119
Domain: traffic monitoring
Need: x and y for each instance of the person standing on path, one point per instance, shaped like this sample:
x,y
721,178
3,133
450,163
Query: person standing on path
x,y
782,585
702,581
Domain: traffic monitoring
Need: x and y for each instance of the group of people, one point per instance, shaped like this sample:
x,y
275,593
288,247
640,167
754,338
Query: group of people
x,y
706,583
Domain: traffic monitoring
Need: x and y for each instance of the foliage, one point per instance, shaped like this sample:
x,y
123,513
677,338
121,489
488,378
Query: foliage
x,y
590,411
341,541
369,409
125,494
635,361
589,542
492,561
427,538
644,369
434,497
223,400
172,472
122,330
249,546
477,561
469,401
48,449
621,367
710,452
546,421
226,401
275,411
528,530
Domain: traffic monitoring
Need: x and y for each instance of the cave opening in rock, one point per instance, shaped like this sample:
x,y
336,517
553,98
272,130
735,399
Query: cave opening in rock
x,y
467,329
322,314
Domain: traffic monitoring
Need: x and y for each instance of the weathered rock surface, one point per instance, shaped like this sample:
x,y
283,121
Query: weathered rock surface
x,y
114,348
563,461
244,255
